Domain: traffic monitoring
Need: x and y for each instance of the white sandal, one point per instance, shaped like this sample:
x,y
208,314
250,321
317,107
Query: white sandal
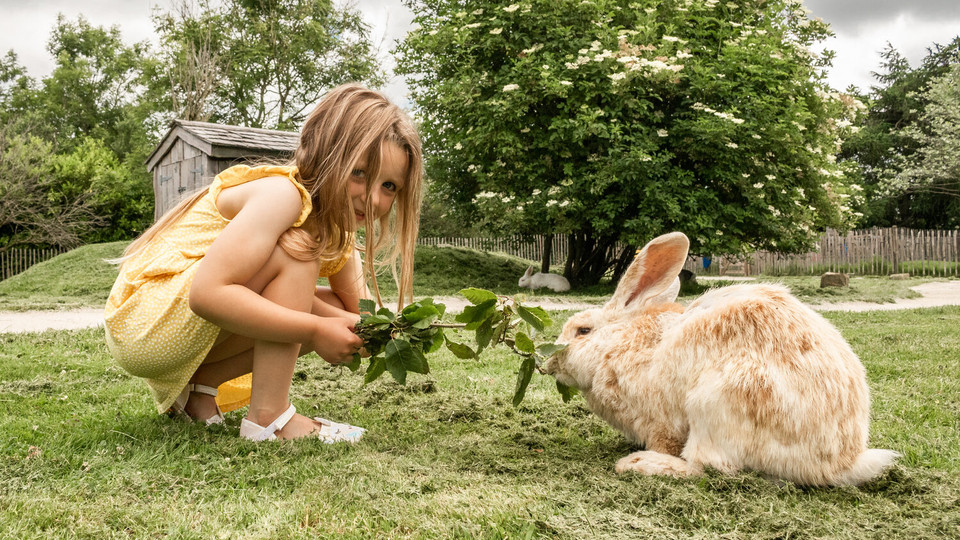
x,y
180,404
330,432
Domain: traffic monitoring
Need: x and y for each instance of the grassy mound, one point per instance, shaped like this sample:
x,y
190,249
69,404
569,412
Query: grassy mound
x,y
82,278
77,278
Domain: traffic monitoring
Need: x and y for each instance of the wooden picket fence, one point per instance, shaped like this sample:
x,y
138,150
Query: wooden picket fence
x,y
877,251
870,251
16,260
530,249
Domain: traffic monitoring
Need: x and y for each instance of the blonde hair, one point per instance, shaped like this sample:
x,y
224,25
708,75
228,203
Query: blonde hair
x,y
351,123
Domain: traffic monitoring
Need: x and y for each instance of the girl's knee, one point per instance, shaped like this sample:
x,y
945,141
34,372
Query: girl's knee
x,y
281,267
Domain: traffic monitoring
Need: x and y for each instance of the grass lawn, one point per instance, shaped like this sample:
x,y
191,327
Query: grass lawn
x,y
83,454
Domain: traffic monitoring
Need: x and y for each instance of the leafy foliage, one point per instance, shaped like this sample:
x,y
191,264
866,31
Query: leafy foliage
x,y
398,343
885,140
934,169
87,183
261,63
615,120
33,208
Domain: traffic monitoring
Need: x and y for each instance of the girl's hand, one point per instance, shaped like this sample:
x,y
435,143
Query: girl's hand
x,y
335,340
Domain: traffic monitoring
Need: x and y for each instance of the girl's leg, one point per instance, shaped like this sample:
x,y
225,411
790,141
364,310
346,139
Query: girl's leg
x,y
287,282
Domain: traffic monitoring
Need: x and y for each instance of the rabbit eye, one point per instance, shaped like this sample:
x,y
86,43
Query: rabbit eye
x,y
583,330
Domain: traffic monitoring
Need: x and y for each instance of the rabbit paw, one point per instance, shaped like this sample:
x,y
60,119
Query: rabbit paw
x,y
651,463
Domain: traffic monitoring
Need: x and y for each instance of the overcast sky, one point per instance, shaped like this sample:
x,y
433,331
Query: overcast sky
x,y
862,27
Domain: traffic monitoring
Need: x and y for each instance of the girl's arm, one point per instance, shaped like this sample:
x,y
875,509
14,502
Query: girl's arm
x,y
349,284
227,286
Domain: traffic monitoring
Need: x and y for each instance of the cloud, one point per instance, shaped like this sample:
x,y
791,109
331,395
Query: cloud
x,y
856,15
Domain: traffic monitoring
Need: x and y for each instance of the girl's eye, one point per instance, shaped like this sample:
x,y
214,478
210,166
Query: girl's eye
x,y
359,173
390,186
583,330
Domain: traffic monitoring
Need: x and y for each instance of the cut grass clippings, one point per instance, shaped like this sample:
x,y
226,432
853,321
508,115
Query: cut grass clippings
x,y
83,455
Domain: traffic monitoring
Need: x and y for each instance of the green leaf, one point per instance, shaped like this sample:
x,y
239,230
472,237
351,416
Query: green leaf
x,y
436,342
460,350
478,296
416,313
425,322
403,357
535,317
376,368
523,379
474,315
354,364
549,349
524,344
566,392
367,306
377,319
483,334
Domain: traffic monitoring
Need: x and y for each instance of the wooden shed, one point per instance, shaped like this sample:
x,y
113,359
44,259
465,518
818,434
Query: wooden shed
x,y
192,153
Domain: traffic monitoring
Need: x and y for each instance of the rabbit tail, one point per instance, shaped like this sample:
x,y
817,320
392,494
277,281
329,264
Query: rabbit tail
x,y
868,466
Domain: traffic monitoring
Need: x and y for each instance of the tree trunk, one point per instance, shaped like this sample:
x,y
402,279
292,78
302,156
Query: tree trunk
x,y
623,262
547,253
589,258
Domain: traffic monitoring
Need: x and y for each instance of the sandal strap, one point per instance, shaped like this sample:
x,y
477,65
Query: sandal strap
x,y
202,389
267,433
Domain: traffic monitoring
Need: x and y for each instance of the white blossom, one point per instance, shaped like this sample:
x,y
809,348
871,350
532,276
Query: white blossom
x,y
511,8
662,133
566,83
496,31
732,145
511,87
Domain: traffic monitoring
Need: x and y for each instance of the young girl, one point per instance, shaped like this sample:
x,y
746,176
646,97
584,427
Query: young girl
x,y
224,285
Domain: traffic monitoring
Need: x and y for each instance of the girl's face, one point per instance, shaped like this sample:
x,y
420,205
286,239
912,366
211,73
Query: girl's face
x,y
383,189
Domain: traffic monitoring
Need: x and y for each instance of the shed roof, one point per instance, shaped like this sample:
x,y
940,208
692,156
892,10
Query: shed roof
x,y
217,140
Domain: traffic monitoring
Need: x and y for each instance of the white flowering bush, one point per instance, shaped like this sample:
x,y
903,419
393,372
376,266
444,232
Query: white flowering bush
x,y
614,121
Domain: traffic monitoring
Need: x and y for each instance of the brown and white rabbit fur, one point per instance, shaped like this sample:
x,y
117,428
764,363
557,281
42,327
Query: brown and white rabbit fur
x,y
746,377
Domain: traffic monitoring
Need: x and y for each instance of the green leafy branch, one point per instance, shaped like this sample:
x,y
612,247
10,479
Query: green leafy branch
x,y
398,343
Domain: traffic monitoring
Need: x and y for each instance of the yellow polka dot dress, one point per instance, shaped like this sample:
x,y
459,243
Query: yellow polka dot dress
x,y
151,331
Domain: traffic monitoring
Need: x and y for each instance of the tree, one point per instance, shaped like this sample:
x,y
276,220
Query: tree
x,y
613,121
95,88
934,169
29,215
261,63
76,142
882,144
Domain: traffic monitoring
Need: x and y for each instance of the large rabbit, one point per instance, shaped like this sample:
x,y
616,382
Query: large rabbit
x,y
746,377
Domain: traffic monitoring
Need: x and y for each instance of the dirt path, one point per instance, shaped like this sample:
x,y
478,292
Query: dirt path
x,y
941,293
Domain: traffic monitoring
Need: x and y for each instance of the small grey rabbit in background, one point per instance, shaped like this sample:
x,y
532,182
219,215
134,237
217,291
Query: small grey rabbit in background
x,y
745,378
554,282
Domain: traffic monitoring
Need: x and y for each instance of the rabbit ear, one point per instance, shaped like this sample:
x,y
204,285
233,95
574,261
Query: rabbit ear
x,y
653,274
528,272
